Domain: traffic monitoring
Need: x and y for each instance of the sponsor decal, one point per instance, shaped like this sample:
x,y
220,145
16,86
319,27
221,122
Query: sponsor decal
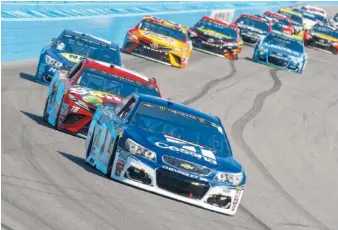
x,y
119,167
180,172
124,155
236,198
93,96
64,109
72,57
206,155
158,36
223,14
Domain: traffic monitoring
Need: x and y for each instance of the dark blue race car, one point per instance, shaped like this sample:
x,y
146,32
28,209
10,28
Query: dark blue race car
x,y
166,148
281,51
67,50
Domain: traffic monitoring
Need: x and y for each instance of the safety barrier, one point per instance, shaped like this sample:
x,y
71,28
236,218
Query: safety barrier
x,y
28,26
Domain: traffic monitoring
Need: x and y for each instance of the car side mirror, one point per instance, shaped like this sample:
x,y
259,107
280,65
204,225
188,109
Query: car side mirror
x,y
51,41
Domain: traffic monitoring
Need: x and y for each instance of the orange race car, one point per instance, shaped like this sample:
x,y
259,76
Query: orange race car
x,y
159,40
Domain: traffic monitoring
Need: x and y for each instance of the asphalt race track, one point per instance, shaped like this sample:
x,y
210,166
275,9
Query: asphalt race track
x,y
283,128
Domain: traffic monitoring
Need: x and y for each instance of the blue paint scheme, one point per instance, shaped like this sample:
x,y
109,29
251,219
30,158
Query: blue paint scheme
x,y
45,70
23,36
108,120
262,51
55,93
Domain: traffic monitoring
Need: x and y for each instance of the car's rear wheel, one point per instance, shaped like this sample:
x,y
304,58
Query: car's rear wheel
x,y
111,159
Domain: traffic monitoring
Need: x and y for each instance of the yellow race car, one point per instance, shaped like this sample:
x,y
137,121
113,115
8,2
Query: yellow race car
x,y
297,21
159,40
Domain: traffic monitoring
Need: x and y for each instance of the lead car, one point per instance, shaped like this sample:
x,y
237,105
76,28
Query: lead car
x,y
166,148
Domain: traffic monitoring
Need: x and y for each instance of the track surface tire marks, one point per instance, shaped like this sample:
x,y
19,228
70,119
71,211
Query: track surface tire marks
x,y
283,129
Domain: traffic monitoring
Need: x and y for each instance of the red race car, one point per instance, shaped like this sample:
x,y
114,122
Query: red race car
x,y
74,96
286,21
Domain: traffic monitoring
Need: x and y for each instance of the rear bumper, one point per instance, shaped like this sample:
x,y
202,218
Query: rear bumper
x,y
174,183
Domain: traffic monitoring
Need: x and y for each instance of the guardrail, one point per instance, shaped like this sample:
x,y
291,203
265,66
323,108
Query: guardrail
x,y
28,26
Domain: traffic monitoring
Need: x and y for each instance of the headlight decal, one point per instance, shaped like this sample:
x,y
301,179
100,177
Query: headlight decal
x,y
138,150
232,178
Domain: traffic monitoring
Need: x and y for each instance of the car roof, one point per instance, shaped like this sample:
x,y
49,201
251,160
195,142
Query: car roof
x,y
177,106
120,71
91,37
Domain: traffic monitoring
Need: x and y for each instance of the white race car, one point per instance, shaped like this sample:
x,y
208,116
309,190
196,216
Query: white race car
x,y
319,13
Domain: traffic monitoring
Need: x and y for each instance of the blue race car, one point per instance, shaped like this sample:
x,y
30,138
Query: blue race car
x,y
166,148
69,48
281,51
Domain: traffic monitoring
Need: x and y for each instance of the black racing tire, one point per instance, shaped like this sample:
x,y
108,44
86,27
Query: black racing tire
x,y
89,147
57,115
112,158
44,114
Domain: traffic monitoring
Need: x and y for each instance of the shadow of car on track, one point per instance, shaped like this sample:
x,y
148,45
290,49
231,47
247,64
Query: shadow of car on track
x,y
30,77
81,162
38,119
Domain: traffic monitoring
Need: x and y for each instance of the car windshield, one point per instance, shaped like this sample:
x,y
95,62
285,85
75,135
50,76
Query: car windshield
x,y
277,27
183,126
162,30
296,19
88,48
320,18
262,26
281,20
309,16
106,82
227,32
325,30
283,42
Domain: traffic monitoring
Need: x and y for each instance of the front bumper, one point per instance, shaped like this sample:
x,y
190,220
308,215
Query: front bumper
x,y
176,184
218,50
277,62
249,38
74,119
162,55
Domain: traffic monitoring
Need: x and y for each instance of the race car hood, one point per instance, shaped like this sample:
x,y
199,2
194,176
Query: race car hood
x,y
213,34
325,37
94,97
161,40
170,146
281,50
245,28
